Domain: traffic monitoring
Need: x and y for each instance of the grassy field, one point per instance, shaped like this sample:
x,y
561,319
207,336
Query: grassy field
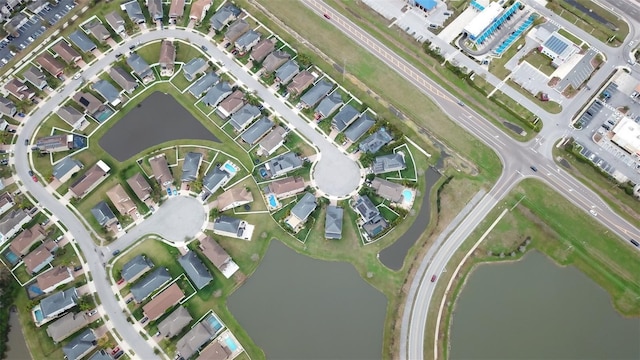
x,y
549,106
540,62
496,66
559,230
618,31
570,36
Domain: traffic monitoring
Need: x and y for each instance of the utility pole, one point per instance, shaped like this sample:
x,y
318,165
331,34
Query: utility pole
x,y
344,68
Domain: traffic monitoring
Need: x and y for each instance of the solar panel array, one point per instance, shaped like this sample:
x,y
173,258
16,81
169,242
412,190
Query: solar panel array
x,y
556,44
476,5
499,21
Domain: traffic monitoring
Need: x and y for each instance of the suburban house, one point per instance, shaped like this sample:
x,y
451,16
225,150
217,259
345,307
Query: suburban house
x,y
66,52
64,169
274,60
344,117
35,77
173,324
247,41
272,141
107,91
55,143
233,198
89,103
58,303
167,58
216,94
51,279
121,200
13,26
82,41
19,89
98,31
163,302
374,142
12,222
7,107
141,68
215,179
312,97
90,179
195,269
282,164
333,222
388,190
116,22
260,51
104,215
373,222
6,202
150,283
359,127
140,187
42,256
80,345
199,10
134,12
231,104
190,166
286,187
123,79
71,116
155,9
328,105
301,211
161,171
224,16
50,64
256,131
229,226
218,256
66,326
387,163
245,116
194,68
203,84
216,350
235,30
135,268
102,354
287,71
176,10
22,243
193,340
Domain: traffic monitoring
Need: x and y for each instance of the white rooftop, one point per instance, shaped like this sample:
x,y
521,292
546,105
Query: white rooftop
x,y
627,135
484,19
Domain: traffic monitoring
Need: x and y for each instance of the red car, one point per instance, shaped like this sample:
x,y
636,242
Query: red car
x,y
120,281
433,278
327,16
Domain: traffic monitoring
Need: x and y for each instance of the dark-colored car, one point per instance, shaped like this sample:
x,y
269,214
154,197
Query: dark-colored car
x,y
327,16
433,278
26,142
535,169
204,48
634,242
30,173
116,252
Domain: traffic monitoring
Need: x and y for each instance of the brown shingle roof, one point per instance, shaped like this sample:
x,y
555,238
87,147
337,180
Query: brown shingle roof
x,y
66,52
39,255
121,200
160,169
167,53
233,102
197,9
50,64
214,351
214,252
86,181
89,102
21,244
18,89
53,277
231,196
177,8
140,186
163,301
300,82
287,185
262,49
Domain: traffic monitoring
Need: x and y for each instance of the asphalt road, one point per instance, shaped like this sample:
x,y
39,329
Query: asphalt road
x,y
516,158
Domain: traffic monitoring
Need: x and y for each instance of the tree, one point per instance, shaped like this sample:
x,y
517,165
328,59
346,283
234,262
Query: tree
x,y
253,100
304,60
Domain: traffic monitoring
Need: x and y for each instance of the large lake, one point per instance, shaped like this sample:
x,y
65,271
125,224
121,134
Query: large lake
x,y
533,309
296,307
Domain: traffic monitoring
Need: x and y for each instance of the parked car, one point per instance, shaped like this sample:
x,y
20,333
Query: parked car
x,y
144,320
535,169
121,281
116,252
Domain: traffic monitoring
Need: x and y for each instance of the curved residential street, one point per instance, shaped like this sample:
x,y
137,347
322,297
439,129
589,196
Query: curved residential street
x,y
333,164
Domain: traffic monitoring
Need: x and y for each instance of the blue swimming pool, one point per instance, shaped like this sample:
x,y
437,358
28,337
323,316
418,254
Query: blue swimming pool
x,y
103,115
230,168
214,322
35,290
273,202
11,257
39,315
231,344
407,195
263,173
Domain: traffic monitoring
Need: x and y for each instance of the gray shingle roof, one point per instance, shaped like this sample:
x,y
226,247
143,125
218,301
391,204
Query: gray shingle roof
x,y
248,39
194,339
287,71
67,325
386,163
329,104
217,93
194,67
312,97
256,131
304,207
150,283
101,354
35,76
374,142
58,301
123,79
203,84
173,324
284,163
134,12
138,65
155,9
64,166
388,190
223,16
135,266
244,116
106,90
80,345
82,41
195,269
274,60
227,224
215,178
102,213
366,209
190,166
344,117
375,226
333,222
359,127
69,114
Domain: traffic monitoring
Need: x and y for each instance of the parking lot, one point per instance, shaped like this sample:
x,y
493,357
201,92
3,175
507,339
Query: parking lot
x,y
534,81
32,30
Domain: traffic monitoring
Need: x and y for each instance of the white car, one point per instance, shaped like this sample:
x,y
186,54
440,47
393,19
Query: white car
x,y
593,212
76,76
